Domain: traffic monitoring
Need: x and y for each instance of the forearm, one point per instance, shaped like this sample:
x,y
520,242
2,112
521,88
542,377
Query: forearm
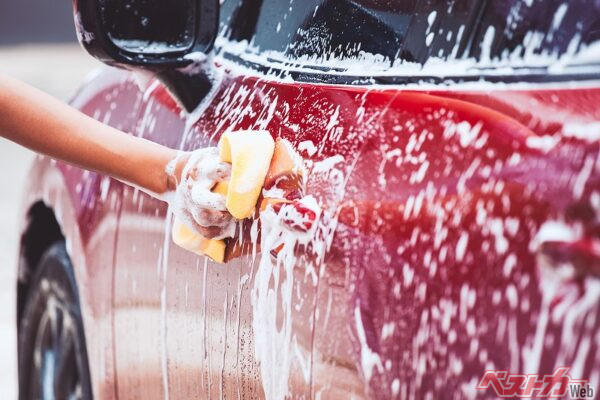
x,y
43,124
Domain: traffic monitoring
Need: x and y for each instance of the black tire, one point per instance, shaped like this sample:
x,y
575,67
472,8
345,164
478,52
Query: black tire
x,y
52,354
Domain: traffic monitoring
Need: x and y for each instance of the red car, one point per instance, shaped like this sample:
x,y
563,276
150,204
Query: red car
x,y
452,158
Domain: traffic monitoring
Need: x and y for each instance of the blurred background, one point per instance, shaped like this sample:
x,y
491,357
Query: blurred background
x,y
37,45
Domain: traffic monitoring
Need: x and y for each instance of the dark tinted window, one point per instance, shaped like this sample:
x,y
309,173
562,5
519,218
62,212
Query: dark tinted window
x,y
440,28
525,27
411,30
344,29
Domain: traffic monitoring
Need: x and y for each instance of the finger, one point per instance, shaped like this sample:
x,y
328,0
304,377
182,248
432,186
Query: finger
x,y
203,198
225,227
220,218
202,230
219,172
215,232
206,217
192,174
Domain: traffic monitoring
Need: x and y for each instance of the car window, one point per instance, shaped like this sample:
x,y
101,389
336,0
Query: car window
x,y
411,30
440,28
319,31
517,29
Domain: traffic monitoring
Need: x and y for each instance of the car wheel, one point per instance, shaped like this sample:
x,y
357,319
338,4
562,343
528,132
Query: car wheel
x,y
52,354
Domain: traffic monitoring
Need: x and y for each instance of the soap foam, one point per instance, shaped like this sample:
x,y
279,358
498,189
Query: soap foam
x,y
272,294
193,201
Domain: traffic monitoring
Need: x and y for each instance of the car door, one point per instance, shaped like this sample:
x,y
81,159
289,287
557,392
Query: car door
x,y
392,246
186,325
113,99
427,265
141,270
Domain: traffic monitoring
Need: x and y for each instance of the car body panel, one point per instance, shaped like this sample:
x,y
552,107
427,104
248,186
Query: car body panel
x,y
87,207
457,206
391,307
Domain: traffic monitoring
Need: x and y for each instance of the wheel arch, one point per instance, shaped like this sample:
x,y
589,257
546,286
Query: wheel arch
x,y
47,216
42,230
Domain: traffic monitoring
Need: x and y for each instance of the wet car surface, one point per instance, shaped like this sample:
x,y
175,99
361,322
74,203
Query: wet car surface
x,y
457,212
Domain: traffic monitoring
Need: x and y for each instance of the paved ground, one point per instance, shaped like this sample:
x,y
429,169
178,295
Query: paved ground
x,y
57,69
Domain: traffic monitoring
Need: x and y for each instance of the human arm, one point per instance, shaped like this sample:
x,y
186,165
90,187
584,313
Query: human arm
x,y
43,124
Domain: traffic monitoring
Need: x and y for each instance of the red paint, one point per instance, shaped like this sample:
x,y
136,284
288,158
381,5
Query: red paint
x,y
399,253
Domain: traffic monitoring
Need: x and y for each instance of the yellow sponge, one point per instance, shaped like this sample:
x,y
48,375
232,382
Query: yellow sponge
x,y
221,188
191,241
252,158
249,153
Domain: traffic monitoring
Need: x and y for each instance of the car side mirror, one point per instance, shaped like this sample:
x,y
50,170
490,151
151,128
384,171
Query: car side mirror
x,y
162,36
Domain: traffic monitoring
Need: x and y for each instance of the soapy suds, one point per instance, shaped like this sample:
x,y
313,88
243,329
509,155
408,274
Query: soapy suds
x,y
376,65
271,357
193,194
193,201
164,266
369,359
274,340
276,346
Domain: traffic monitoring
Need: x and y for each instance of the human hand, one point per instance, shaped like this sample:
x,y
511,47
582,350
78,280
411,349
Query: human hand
x,y
192,175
